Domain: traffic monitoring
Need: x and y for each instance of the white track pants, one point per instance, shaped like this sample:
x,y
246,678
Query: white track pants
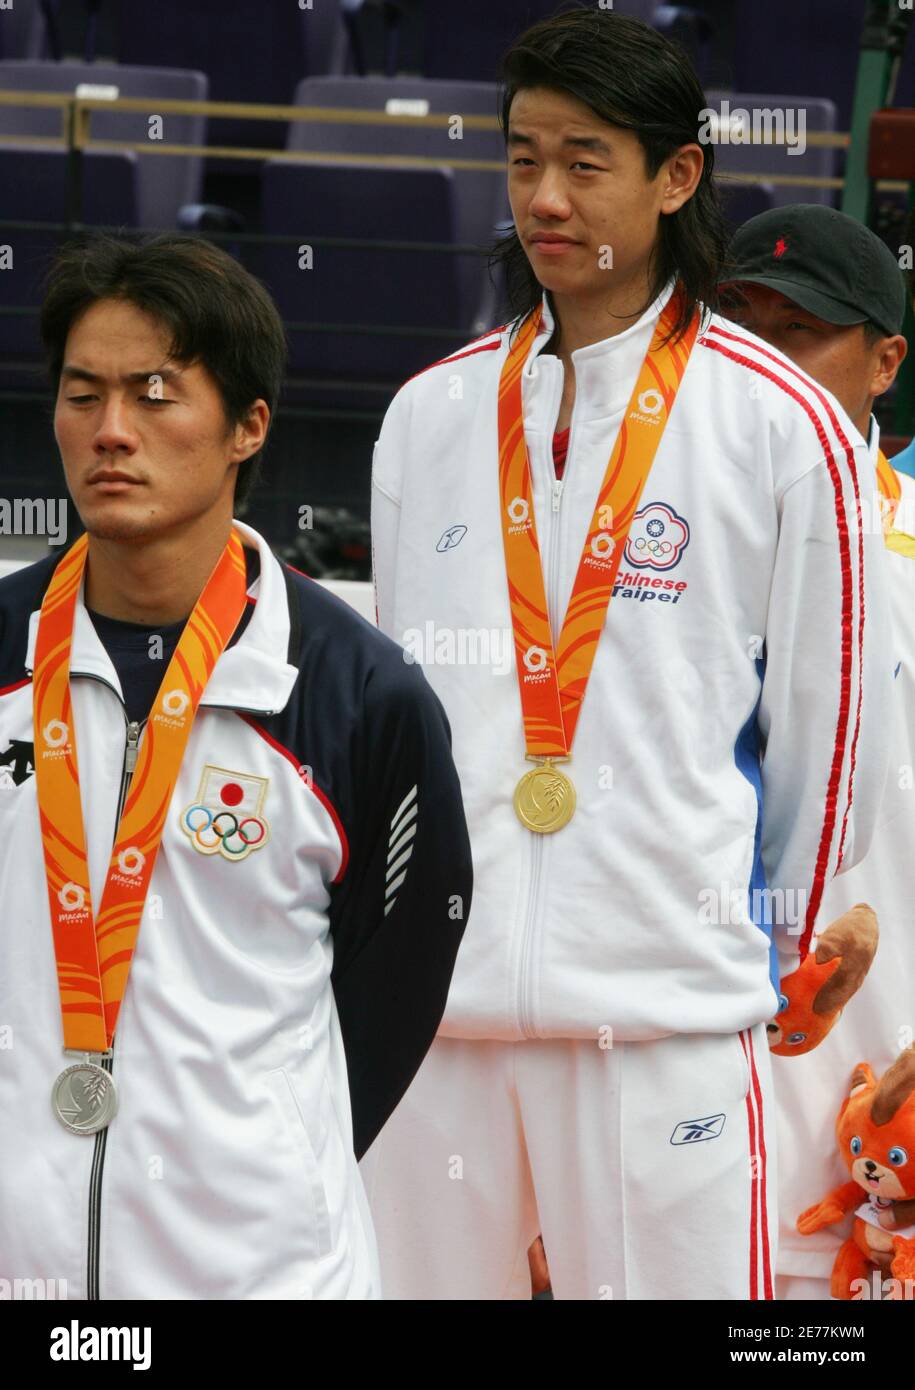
x,y
792,1288
648,1167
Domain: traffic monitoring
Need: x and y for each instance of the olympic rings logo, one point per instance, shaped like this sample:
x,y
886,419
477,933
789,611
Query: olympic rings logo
x,y
535,658
653,546
221,832
55,733
518,510
175,702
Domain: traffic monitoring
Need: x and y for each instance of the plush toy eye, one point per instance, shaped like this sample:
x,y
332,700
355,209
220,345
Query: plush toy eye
x,y
856,1146
797,1038
898,1156
783,1002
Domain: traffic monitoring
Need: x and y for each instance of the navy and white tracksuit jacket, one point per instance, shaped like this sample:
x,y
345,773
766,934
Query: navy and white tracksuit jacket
x,y
277,1006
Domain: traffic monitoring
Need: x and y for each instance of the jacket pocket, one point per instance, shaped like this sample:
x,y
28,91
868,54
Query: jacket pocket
x,y
280,1087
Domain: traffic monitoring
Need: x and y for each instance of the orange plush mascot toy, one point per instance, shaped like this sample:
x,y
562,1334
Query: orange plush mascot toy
x,y
813,996
876,1134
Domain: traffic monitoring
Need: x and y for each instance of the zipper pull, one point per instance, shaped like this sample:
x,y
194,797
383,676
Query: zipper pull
x,y
133,739
557,493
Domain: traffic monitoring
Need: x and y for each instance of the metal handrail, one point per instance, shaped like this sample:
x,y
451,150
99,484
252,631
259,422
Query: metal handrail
x,y
76,132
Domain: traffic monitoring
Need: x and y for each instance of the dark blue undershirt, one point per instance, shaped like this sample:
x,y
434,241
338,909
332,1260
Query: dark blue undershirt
x,y
139,662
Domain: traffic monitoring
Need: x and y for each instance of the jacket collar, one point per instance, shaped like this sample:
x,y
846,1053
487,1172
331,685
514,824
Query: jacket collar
x,y
605,371
873,440
254,674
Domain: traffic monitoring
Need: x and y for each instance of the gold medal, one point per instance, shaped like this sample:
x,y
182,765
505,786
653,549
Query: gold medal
x,y
545,799
553,678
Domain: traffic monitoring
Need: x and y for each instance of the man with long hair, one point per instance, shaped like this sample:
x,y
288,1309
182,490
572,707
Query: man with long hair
x,y
689,745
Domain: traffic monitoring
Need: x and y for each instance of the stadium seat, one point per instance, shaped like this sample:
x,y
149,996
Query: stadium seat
x,y
386,289
392,14
453,46
816,161
689,27
742,201
250,53
480,198
164,182
774,45
23,30
33,188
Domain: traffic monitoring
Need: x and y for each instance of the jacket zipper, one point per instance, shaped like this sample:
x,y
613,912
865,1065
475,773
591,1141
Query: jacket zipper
x,y
525,987
101,1139
131,752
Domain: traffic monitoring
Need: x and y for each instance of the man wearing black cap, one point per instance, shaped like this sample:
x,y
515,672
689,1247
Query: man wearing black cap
x,y
828,293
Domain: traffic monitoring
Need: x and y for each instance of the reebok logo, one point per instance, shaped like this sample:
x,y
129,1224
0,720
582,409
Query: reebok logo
x,y
450,538
694,1131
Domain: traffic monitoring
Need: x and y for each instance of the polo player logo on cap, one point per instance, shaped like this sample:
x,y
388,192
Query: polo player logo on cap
x,y
781,246
226,818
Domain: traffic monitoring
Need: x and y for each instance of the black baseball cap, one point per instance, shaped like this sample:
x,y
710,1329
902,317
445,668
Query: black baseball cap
x,y
828,263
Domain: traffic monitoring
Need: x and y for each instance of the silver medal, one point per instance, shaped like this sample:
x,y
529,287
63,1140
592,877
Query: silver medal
x,y
84,1098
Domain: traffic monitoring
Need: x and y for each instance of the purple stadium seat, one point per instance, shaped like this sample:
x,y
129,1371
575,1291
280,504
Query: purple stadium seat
x,y
251,53
811,48
33,189
745,200
164,182
816,161
22,30
638,9
480,197
467,41
388,289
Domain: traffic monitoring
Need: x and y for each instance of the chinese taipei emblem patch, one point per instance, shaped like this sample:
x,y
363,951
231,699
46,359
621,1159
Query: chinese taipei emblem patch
x,y
227,816
657,538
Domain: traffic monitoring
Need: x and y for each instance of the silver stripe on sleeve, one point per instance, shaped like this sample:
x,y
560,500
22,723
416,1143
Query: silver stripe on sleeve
x,y
400,846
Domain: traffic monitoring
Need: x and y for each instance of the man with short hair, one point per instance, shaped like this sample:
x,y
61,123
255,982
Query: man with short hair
x,y
702,755
185,1096
833,302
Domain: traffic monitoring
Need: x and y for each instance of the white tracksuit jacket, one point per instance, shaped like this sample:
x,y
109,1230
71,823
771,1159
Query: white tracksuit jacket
x,y
733,733
277,1006
878,1023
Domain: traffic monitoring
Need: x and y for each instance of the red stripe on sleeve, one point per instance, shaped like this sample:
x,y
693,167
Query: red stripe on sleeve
x,y
835,776
313,786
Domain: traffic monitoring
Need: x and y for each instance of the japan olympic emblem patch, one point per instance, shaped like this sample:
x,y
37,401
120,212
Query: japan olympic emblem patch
x,y
226,818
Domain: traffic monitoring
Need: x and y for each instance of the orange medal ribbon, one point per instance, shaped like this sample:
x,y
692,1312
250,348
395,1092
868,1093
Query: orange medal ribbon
x,y
552,682
889,488
94,954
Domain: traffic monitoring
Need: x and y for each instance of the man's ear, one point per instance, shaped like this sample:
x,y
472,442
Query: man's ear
x,y
682,172
890,355
250,433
